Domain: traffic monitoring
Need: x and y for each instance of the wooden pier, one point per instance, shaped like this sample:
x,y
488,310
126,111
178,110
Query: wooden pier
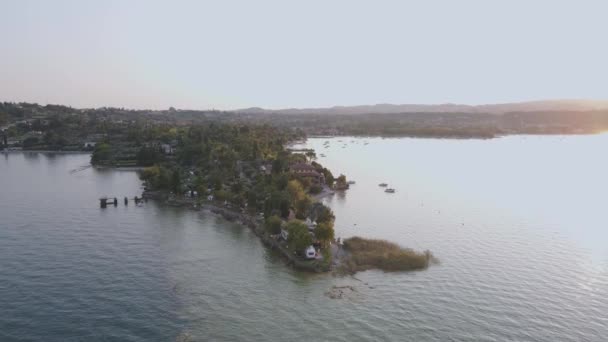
x,y
105,201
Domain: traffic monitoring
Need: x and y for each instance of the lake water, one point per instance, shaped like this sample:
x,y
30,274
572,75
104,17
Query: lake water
x,y
520,225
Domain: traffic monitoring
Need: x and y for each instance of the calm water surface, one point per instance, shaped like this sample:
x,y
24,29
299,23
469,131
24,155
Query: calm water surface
x,y
520,225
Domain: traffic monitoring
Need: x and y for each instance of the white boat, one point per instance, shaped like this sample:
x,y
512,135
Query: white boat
x,y
383,185
351,182
390,190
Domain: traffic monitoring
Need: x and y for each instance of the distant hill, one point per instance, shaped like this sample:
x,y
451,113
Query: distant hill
x,y
532,106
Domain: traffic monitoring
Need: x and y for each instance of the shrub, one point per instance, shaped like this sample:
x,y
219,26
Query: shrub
x,y
315,189
324,231
299,238
387,256
273,224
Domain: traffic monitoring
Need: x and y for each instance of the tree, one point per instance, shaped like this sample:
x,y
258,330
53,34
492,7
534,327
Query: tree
x,y
315,189
176,182
101,153
273,224
221,195
150,174
296,191
341,182
311,155
236,187
302,207
325,215
329,177
299,238
281,181
147,156
324,231
29,142
252,199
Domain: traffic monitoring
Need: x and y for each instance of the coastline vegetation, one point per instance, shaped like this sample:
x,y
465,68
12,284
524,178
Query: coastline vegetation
x,y
240,167
30,126
366,254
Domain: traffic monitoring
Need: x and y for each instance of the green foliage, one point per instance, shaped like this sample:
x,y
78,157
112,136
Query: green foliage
x,y
176,182
315,189
221,195
299,238
273,224
101,154
148,155
341,181
156,177
311,155
324,231
302,207
150,173
252,200
281,181
296,191
325,215
329,177
278,202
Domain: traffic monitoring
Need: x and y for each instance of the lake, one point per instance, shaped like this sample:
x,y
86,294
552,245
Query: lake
x,y
520,225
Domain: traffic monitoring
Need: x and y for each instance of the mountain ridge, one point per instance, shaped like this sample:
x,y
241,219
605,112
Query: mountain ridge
x,y
499,108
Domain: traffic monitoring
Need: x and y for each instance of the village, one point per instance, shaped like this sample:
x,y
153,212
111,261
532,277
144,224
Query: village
x,y
244,172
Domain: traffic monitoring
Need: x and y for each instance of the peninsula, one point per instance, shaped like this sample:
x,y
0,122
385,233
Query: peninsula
x,y
245,173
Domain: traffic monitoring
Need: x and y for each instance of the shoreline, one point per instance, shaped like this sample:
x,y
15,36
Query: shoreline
x,y
255,224
118,168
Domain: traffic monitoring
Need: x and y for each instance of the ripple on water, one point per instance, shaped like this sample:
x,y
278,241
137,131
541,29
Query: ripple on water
x,y
72,271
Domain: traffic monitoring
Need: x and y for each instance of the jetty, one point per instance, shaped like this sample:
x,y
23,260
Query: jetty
x,y
108,200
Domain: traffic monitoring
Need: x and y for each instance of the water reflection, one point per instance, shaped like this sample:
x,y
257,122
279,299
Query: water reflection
x,y
153,272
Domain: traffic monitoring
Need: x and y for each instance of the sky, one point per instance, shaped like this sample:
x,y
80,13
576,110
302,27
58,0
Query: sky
x,y
278,54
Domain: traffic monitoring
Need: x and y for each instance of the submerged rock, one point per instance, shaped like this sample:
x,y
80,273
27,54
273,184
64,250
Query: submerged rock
x,y
339,292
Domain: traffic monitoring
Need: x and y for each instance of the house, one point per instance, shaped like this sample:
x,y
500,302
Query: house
x,y
266,169
166,148
89,144
307,171
310,252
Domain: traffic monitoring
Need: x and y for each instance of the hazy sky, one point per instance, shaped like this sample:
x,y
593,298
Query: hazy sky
x,y
233,54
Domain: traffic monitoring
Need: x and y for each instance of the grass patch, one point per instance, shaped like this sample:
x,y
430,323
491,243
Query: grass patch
x,y
369,253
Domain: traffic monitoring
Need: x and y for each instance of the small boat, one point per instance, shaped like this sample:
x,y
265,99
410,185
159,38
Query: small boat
x,y
322,155
390,190
383,185
351,182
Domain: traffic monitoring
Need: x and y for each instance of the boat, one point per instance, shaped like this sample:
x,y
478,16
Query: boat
x,y
390,190
383,185
351,182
